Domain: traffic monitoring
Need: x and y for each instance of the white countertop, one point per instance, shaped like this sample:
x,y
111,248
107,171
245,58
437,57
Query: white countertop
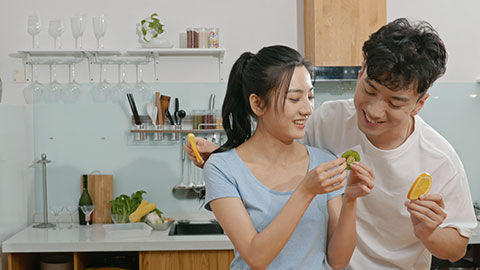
x,y
85,239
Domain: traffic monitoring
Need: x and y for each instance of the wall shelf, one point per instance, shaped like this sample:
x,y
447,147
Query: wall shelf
x,y
106,56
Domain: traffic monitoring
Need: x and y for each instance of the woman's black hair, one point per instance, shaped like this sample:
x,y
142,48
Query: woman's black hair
x,y
403,54
266,73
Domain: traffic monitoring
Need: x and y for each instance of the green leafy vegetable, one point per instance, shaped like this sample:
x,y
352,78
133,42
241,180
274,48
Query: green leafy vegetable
x,y
125,205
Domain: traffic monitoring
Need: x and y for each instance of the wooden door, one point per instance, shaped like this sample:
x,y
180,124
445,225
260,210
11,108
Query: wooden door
x,y
186,260
336,30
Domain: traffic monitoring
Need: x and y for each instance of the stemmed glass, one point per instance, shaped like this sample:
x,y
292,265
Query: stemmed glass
x,y
87,210
34,28
78,28
33,92
71,91
101,91
118,92
141,88
72,210
99,28
55,30
56,211
52,91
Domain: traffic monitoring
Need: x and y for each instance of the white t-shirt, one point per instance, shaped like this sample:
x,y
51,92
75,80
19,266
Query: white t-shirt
x,y
385,238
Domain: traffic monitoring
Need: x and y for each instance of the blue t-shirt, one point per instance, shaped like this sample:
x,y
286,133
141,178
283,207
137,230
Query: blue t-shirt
x,y
226,175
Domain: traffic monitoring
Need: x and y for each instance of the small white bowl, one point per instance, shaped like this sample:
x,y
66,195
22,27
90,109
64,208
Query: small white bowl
x,y
161,226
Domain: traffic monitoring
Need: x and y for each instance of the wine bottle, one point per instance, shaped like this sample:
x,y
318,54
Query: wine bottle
x,y
85,199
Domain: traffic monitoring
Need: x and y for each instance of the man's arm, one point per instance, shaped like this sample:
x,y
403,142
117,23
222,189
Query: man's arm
x,y
427,213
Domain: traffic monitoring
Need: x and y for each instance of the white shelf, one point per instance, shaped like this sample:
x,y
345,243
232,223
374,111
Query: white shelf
x,y
99,56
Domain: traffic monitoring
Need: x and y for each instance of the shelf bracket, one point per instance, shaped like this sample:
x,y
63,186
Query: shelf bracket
x,y
156,66
220,65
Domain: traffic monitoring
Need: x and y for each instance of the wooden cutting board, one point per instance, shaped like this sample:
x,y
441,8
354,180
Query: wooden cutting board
x,y
100,188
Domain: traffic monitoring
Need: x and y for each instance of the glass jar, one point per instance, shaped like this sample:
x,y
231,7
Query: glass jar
x,y
192,38
213,38
202,38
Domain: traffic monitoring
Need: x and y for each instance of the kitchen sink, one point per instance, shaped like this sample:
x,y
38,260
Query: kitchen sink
x,y
195,229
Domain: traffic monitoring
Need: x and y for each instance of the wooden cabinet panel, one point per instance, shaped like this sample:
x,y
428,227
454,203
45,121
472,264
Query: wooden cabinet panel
x,y
336,30
186,260
22,261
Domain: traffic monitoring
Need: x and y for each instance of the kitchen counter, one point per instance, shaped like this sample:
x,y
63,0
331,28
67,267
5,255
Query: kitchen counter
x,y
85,239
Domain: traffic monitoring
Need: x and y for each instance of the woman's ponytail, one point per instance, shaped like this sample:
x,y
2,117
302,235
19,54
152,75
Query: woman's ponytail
x,y
236,110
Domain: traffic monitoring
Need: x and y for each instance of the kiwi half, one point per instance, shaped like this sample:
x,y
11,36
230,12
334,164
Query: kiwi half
x,y
351,156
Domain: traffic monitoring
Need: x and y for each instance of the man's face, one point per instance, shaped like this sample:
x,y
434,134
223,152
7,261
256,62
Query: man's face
x,y
385,116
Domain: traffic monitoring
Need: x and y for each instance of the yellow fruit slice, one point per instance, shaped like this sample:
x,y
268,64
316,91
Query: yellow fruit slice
x,y
191,138
421,186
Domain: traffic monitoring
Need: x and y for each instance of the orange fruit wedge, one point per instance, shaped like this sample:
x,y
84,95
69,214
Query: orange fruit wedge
x,y
191,138
421,186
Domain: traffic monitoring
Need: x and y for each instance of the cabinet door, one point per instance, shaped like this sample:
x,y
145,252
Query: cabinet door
x,y
186,260
336,30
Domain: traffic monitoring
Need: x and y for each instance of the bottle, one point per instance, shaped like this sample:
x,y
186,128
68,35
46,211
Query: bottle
x,y
85,199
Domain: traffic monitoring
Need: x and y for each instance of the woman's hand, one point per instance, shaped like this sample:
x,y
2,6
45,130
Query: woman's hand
x,y
204,147
360,181
325,178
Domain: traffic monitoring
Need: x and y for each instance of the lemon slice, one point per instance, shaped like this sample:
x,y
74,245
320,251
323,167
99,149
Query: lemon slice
x,y
421,186
191,138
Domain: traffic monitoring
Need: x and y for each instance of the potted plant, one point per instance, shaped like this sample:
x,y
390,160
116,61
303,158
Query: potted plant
x,y
149,32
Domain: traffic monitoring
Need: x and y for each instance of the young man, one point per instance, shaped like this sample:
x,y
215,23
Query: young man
x,y
402,60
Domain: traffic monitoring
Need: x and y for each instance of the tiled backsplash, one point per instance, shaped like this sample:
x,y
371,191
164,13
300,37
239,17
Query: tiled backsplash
x,y
84,137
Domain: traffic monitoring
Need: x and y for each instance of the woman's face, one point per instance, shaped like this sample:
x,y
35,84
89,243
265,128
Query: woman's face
x,y
287,121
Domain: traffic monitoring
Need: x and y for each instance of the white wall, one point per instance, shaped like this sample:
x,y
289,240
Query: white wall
x,y
458,25
244,25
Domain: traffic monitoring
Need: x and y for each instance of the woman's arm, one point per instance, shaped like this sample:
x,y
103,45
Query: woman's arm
x,y
342,234
260,249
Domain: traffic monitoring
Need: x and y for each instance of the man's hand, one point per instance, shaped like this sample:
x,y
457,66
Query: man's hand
x,y
204,147
360,181
426,213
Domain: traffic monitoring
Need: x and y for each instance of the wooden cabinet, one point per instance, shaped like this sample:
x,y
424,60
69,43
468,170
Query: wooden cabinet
x,y
186,260
336,30
147,260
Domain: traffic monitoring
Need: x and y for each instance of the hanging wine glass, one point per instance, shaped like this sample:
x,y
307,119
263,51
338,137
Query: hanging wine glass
x,y
52,91
55,30
78,23
122,87
33,92
101,92
71,91
34,28
99,28
142,91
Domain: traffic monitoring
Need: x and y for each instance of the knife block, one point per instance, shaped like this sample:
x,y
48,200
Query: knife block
x,y
100,188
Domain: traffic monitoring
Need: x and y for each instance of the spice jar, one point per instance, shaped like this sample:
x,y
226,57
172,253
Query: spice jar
x,y
192,38
213,39
202,38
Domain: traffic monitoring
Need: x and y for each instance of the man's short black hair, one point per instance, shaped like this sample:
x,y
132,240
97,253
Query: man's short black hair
x,y
403,54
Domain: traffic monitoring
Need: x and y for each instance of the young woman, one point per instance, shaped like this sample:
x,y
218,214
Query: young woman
x,y
280,201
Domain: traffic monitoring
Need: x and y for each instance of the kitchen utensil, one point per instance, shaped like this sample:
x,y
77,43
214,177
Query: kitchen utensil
x,y
100,188
159,109
45,223
175,113
134,109
211,103
164,104
169,116
182,172
150,107
181,115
